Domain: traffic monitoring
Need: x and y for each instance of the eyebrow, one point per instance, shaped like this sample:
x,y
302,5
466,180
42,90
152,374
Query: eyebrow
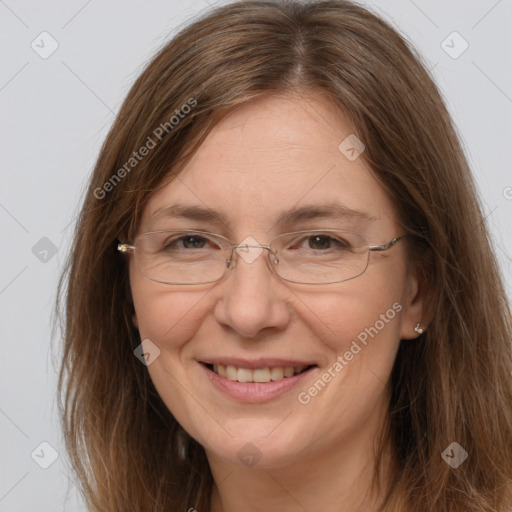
x,y
287,217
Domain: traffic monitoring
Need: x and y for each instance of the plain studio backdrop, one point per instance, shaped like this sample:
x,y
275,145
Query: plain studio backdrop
x,y
66,67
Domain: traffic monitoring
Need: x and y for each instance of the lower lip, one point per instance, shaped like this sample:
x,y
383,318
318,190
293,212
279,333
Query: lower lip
x,y
255,392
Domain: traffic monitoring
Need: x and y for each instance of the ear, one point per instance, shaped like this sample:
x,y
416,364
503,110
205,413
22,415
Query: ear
x,y
417,307
135,321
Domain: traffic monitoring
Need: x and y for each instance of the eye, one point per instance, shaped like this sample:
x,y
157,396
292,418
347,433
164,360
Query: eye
x,y
321,242
187,241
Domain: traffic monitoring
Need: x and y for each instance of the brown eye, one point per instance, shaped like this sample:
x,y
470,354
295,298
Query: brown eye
x,y
185,242
190,242
320,243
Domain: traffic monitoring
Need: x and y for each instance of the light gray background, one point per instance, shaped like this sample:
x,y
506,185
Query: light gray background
x,y
54,115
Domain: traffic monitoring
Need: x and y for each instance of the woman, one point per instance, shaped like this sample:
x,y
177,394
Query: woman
x,y
281,294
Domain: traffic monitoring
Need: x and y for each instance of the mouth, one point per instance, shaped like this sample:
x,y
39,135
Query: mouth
x,y
258,375
258,380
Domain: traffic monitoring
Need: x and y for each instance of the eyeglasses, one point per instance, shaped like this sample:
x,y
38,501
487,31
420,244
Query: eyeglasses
x,y
321,256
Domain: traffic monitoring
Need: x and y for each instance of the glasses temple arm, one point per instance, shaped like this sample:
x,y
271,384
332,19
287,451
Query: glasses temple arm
x,y
386,246
124,247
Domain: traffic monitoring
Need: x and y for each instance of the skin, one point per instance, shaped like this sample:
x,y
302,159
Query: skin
x,y
268,155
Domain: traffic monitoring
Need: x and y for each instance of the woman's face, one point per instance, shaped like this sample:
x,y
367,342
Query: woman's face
x,y
268,157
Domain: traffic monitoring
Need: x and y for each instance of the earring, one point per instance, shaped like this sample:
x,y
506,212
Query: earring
x,y
418,329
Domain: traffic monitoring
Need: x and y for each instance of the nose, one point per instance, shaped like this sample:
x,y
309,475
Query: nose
x,y
251,296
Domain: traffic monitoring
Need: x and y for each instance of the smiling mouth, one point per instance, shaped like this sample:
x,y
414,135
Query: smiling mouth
x,y
261,375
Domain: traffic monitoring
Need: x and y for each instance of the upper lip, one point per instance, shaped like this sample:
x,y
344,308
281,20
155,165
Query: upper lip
x,y
241,362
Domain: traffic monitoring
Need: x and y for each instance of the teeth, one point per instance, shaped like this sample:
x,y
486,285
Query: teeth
x,y
289,371
244,375
257,375
276,373
231,373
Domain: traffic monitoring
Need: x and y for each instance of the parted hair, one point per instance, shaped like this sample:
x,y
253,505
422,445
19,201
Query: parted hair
x,y
453,384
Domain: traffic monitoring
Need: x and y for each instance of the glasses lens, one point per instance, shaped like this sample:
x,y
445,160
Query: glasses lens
x,y
321,257
181,257
309,257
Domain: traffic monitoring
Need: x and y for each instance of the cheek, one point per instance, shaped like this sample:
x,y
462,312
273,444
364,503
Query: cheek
x,y
356,311
170,319
360,325
165,314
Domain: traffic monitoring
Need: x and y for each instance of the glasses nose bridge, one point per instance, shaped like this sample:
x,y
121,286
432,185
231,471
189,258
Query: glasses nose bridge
x,y
272,252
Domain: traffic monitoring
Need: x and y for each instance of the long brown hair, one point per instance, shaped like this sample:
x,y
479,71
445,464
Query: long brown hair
x,y
452,385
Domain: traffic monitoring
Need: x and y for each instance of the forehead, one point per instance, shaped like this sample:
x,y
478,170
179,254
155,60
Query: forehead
x,y
269,156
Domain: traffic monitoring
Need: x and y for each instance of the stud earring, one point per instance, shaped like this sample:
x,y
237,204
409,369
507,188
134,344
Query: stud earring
x,y
418,329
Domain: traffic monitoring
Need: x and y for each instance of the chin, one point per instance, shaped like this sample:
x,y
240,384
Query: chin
x,y
262,444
